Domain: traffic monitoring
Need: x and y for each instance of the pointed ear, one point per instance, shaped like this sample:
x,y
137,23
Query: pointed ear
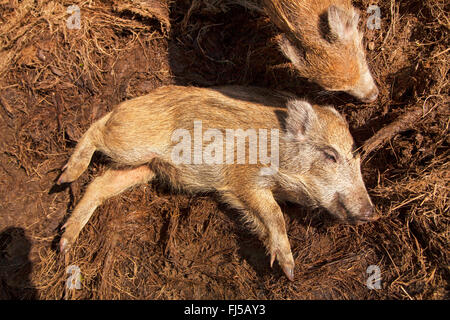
x,y
343,23
290,51
301,118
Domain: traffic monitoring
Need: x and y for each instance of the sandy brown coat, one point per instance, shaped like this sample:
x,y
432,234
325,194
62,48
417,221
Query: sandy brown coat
x,y
316,164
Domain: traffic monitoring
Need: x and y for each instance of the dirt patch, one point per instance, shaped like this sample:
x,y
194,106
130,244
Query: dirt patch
x,y
151,244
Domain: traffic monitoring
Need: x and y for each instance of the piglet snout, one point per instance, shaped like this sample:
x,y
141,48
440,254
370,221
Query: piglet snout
x,y
368,214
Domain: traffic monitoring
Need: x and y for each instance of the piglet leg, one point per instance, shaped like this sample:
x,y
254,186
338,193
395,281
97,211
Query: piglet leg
x,y
111,183
266,213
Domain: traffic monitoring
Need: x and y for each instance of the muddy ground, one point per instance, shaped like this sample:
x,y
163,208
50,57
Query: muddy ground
x,y
151,244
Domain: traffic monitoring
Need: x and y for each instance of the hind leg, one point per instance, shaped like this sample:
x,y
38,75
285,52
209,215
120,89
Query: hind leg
x,y
111,183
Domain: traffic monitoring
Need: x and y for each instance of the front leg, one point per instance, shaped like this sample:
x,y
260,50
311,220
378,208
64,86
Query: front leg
x,y
262,209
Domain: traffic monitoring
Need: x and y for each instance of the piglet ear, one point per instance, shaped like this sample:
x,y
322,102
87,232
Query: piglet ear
x,y
290,51
343,23
301,118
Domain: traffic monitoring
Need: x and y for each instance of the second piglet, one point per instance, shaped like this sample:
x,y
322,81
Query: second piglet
x,y
322,40
251,146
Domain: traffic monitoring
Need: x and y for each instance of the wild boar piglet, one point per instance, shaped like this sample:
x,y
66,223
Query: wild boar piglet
x,y
322,40
252,147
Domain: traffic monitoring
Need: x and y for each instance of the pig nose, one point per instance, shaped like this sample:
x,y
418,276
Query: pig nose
x,y
369,214
372,96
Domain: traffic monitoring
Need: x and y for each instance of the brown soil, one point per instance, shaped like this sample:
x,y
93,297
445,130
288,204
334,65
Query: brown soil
x,y
151,244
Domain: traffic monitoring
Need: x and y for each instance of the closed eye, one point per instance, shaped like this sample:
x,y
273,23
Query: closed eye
x,y
330,157
330,154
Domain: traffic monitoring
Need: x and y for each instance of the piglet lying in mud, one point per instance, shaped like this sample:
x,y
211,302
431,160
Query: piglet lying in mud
x,y
206,140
